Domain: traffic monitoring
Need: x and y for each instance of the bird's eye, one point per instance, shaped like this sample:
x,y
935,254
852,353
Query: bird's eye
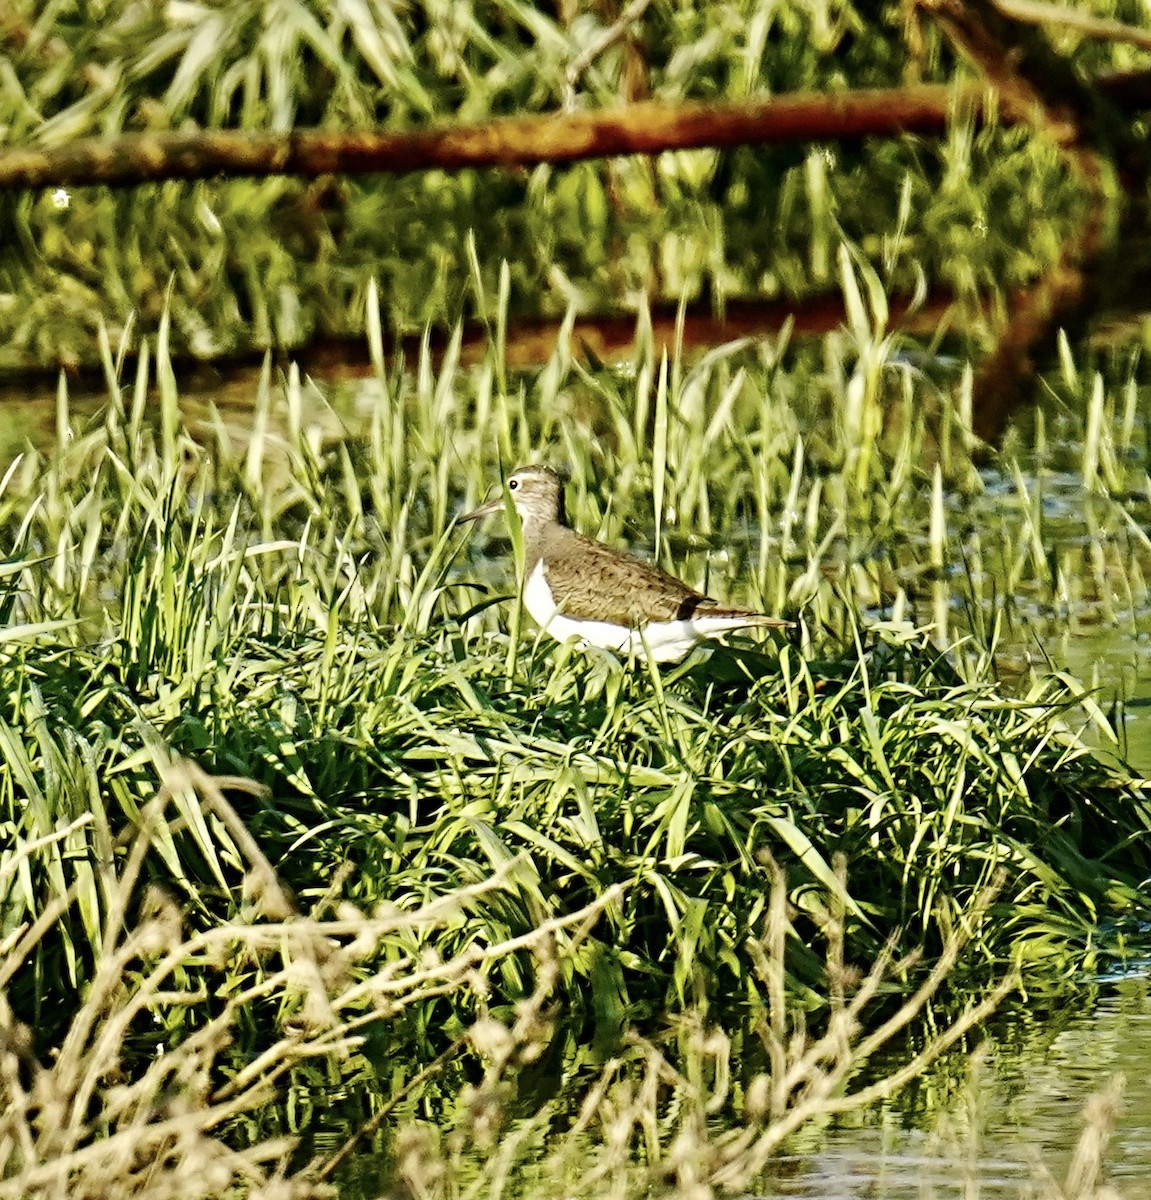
x,y
513,484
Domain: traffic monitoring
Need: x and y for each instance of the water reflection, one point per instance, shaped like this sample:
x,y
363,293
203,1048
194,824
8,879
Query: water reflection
x,y
1008,1130
1015,1126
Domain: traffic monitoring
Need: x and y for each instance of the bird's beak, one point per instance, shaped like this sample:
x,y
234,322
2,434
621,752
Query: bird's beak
x,y
484,510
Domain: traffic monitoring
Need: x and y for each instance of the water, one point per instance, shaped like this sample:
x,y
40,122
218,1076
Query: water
x,y
1002,1121
1093,620
1016,1124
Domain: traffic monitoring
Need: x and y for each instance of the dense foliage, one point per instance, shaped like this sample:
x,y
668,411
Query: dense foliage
x,y
296,807
279,261
297,611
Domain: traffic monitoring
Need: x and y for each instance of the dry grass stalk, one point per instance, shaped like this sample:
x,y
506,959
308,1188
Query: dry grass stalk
x,y
92,1124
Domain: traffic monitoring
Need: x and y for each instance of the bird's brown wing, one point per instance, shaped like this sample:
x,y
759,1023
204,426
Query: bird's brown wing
x,y
597,583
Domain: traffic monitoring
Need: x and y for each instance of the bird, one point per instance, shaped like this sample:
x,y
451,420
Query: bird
x,y
577,587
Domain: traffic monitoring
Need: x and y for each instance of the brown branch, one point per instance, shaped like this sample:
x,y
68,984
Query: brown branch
x,y
649,127
530,341
1097,140
1001,381
1029,74
645,128
611,337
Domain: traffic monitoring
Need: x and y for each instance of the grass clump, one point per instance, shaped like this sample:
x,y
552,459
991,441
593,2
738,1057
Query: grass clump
x,y
189,1116
415,797
296,610
123,1108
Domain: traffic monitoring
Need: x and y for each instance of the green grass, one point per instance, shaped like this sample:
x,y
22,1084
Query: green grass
x,y
302,1007
297,813
299,610
287,604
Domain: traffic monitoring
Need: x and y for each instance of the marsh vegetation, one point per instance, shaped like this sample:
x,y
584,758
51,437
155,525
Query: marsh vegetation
x,y
439,827
321,869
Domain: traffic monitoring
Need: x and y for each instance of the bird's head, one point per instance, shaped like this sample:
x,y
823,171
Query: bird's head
x,y
537,493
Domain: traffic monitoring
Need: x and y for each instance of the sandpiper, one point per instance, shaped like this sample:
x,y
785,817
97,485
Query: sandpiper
x,y
576,587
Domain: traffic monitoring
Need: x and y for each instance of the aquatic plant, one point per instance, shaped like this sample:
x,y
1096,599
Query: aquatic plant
x,y
296,608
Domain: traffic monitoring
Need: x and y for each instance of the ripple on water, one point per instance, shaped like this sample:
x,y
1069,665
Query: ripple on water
x,y
1024,1117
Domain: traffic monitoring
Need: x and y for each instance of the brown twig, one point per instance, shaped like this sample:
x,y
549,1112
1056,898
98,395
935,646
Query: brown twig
x,y
649,127
1097,140
617,32
1030,75
1084,23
